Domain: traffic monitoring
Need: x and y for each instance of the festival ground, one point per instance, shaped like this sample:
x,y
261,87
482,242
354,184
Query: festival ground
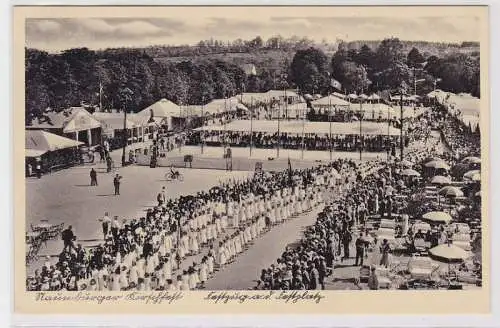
x,y
67,197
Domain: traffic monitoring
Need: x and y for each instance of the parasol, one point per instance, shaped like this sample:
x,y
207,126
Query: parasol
x,y
450,191
406,163
470,174
410,173
436,216
440,180
471,160
437,164
449,253
353,96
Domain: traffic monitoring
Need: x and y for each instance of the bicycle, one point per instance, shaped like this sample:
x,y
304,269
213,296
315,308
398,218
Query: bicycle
x,y
170,176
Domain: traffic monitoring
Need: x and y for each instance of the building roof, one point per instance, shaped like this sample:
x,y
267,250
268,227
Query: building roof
x,y
45,141
330,100
162,108
69,120
296,127
114,121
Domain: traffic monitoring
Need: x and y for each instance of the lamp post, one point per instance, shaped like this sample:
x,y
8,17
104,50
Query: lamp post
x,y
279,136
401,144
330,124
125,95
202,132
361,134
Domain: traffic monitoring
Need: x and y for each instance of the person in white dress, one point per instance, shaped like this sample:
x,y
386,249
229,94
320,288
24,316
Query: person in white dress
x,y
210,263
203,272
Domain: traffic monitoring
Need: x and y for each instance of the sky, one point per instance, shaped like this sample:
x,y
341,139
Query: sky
x,y
56,34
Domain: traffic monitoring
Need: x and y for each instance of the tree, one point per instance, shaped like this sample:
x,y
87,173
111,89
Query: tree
x,y
389,53
365,56
309,70
414,59
354,77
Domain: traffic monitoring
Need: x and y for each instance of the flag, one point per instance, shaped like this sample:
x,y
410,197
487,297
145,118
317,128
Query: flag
x,y
336,84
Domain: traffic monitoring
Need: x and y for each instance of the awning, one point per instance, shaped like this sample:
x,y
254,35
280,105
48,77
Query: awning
x,y
46,141
34,152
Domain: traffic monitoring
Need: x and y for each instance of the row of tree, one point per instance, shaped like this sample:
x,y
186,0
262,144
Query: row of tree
x,y
76,76
385,68
214,46
79,76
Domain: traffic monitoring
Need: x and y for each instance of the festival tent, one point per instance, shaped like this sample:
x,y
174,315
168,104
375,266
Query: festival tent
x,y
296,127
330,101
218,106
162,108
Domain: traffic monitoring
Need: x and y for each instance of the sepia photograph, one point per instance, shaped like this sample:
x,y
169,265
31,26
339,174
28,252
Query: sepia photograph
x,y
260,152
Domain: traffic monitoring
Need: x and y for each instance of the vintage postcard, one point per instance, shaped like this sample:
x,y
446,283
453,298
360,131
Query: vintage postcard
x,y
251,160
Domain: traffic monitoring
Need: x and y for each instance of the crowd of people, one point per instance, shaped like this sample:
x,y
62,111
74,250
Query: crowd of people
x,y
293,141
215,226
342,223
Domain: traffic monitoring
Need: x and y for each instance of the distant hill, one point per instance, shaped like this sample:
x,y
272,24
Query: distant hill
x,y
275,60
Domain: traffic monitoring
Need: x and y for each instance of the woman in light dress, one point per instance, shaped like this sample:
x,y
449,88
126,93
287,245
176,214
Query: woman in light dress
x,y
221,255
184,281
115,280
193,243
193,278
203,272
210,263
167,268
123,279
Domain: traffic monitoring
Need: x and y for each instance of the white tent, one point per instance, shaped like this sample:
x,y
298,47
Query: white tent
x,y
162,108
330,100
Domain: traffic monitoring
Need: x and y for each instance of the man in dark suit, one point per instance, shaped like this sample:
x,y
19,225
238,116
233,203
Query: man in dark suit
x,y
68,237
116,183
93,177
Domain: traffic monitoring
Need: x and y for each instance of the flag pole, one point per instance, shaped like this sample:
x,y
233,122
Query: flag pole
x,y
360,128
202,132
330,123
251,125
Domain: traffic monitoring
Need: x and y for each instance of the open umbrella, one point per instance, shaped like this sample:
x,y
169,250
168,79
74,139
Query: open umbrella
x,y
441,180
406,163
353,96
410,173
471,160
437,164
437,217
451,192
470,174
476,177
449,253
